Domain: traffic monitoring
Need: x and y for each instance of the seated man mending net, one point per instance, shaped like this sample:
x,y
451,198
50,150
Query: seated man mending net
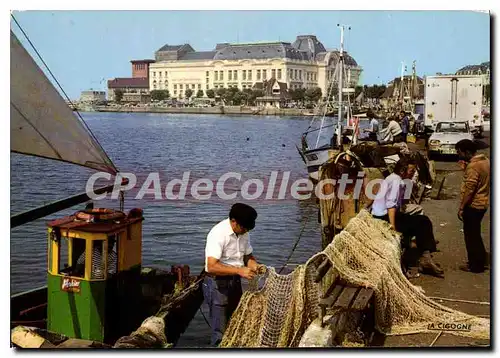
x,y
97,271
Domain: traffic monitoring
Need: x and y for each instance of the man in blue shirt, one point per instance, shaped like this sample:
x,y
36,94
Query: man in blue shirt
x,y
388,205
405,125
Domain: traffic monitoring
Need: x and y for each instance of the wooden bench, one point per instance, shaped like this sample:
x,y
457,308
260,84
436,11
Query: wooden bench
x,y
344,307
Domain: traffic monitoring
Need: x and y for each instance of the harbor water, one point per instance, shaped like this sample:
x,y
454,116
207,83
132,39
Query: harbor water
x,y
174,232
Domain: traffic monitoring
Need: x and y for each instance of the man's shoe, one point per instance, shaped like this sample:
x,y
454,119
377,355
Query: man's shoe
x,y
466,268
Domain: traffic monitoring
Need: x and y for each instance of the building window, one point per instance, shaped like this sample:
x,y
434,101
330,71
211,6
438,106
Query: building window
x,y
159,73
175,93
175,87
273,73
264,74
244,75
199,86
229,75
193,86
207,74
258,75
300,74
216,76
295,75
154,86
180,87
206,86
154,74
221,75
279,74
235,74
249,75
244,86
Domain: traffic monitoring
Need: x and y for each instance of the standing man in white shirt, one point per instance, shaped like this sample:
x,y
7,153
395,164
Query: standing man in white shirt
x,y
228,257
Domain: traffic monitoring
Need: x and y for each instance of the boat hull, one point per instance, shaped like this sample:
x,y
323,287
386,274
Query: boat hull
x,y
159,295
314,158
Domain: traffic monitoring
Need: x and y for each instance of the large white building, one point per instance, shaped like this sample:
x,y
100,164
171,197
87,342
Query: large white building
x,y
305,63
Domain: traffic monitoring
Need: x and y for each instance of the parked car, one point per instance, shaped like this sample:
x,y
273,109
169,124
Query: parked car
x,y
446,135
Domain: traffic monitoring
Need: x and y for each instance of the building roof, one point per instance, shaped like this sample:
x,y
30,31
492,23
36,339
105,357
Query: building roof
x,y
267,87
483,68
305,48
260,51
129,82
198,55
309,43
142,61
334,57
167,47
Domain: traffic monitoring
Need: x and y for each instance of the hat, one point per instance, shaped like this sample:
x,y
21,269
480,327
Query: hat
x,y
244,215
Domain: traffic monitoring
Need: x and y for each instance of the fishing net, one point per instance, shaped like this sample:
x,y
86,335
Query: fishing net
x,y
366,253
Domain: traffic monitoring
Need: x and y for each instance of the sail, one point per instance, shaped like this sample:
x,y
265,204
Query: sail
x,y
41,122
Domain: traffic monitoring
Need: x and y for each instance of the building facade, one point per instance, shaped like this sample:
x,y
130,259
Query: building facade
x,y
302,64
135,88
93,96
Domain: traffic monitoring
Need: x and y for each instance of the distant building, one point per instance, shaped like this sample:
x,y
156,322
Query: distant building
x,y
93,96
303,64
483,69
275,93
135,88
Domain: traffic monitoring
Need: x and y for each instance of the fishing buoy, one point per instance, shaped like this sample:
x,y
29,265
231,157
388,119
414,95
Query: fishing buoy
x,y
248,138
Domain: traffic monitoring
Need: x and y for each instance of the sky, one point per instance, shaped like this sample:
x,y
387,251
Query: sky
x,y
86,48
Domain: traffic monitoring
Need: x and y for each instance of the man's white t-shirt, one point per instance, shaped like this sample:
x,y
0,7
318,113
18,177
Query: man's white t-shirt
x,y
223,244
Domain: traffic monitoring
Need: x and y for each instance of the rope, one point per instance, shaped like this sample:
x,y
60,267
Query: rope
x,y
295,245
435,339
62,90
205,318
462,301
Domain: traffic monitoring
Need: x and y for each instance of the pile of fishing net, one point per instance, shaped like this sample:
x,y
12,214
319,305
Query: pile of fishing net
x,y
366,253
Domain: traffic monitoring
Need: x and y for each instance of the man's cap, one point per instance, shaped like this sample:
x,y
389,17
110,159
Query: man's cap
x,y
466,145
244,215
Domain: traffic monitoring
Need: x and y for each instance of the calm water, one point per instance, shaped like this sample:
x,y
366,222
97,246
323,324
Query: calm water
x,y
174,232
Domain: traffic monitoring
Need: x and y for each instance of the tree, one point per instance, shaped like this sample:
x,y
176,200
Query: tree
x,y
210,93
199,94
118,95
230,94
313,94
188,93
159,95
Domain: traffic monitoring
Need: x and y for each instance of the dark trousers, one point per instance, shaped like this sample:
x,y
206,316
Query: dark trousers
x,y
476,252
222,294
398,138
372,137
419,226
405,137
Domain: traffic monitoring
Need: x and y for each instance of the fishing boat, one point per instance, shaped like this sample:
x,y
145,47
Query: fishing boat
x,y
97,289
316,155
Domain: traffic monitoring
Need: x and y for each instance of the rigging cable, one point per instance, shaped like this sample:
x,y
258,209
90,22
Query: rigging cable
x,y
295,245
62,90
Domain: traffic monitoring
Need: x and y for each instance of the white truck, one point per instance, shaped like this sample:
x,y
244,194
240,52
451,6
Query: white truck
x,y
454,98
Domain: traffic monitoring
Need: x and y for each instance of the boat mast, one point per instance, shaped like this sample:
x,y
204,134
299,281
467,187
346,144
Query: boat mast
x,y
341,72
401,88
